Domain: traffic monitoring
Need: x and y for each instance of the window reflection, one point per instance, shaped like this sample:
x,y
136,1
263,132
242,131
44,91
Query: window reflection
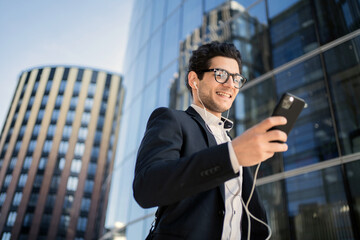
x,y
166,80
171,42
343,68
191,17
312,206
158,13
153,63
292,30
72,183
145,26
81,224
132,136
250,107
312,139
149,101
171,7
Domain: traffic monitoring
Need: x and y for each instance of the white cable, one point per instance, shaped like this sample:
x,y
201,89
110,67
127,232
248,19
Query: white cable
x,y
197,90
248,213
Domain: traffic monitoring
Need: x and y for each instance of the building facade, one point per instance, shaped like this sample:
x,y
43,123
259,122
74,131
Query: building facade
x,y
310,48
57,150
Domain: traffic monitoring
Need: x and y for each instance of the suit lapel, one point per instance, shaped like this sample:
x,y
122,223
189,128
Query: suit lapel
x,y
209,138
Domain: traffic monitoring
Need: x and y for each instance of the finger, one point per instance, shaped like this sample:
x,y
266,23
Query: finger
x,y
271,122
277,147
276,135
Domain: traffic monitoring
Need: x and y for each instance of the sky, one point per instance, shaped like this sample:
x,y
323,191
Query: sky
x,y
41,33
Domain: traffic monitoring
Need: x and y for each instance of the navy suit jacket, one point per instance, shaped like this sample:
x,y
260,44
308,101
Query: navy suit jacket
x,y
181,170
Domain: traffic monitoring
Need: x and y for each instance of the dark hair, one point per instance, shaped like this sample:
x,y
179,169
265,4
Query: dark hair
x,y
200,59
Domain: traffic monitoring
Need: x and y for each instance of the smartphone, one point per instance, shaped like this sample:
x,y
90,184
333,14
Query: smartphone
x,y
290,107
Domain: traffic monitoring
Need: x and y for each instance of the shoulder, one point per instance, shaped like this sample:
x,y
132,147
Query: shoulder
x,y
164,112
168,110
167,118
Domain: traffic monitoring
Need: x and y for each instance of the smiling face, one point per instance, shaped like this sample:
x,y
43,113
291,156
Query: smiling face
x,y
216,97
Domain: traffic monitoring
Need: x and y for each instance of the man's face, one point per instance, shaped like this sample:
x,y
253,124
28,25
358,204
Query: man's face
x,y
216,97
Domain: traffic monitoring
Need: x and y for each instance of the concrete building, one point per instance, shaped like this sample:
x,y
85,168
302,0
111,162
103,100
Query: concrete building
x,y
57,149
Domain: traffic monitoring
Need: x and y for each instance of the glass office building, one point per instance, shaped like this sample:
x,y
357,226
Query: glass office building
x,y
310,48
57,150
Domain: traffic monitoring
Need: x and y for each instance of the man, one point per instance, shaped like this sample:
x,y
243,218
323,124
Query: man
x,y
188,166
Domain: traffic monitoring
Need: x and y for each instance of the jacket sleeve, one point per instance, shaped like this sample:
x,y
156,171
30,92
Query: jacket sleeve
x,y
163,176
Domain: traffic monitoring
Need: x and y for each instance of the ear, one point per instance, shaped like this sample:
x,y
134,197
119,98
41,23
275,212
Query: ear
x,y
192,78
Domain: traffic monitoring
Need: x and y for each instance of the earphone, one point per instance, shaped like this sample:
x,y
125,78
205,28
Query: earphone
x,y
195,85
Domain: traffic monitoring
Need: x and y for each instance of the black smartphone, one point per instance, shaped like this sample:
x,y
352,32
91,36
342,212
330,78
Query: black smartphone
x,y
290,107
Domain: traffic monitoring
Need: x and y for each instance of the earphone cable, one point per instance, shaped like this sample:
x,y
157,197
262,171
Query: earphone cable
x,y
248,213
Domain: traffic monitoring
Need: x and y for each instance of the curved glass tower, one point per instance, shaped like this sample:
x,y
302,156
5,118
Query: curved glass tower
x,y
57,149
310,48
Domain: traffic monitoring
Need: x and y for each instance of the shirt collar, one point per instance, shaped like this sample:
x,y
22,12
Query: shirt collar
x,y
211,120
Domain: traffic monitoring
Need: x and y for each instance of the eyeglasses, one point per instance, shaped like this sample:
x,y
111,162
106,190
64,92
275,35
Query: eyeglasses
x,y
221,76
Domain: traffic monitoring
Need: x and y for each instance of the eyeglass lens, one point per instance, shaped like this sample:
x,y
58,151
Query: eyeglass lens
x,y
222,75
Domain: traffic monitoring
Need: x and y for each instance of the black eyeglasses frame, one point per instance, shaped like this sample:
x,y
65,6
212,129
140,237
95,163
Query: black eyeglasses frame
x,y
241,83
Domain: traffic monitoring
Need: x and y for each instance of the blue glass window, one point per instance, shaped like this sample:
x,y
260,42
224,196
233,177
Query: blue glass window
x,y
172,5
276,7
79,149
22,180
2,198
292,33
83,131
7,180
85,204
76,165
343,71
58,101
48,86
158,13
77,88
192,17
72,183
63,147
92,89
62,86
89,185
27,162
17,199
81,225
171,42
211,4
42,163
65,74
52,73
47,146
307,205
154,55
11,219
312,139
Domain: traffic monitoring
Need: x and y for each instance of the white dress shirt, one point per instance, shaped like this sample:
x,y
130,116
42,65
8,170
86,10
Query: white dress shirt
x,y
233,187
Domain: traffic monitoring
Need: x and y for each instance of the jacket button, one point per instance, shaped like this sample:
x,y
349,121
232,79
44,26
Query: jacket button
x,y
222,213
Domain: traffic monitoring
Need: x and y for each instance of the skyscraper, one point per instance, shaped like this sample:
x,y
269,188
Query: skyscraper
x,y
57,150
310,48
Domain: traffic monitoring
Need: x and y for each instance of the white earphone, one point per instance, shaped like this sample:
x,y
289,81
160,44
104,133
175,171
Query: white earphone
x,y
195,85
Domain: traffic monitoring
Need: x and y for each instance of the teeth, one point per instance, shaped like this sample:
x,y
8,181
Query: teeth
x,y
224,94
